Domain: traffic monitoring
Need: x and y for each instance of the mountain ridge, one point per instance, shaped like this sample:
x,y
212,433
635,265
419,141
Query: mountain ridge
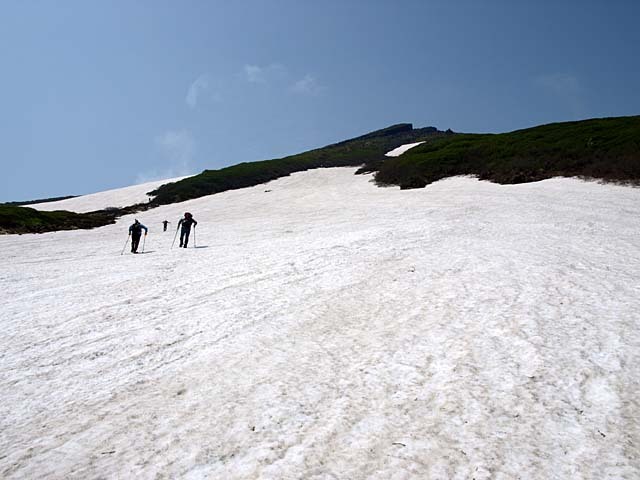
x,y
599,148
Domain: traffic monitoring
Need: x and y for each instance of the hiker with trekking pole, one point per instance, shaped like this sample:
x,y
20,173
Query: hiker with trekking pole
x,y
185,229
135,232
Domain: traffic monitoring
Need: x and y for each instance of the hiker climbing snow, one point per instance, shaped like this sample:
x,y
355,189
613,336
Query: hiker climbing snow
x,y
135,231
186,223
164,224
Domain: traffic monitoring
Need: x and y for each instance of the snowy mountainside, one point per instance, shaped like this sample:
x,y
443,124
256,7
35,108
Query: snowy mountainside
x,y
117,197
327,328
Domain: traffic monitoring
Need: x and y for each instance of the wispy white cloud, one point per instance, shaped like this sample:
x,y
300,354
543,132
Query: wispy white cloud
x,y
307,86
159,174
560,83
198,86
264,74
566,88
176,146
254,74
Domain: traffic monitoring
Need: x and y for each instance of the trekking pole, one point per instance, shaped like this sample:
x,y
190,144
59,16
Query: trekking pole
x,y
144,241
194,237
125,245
174,237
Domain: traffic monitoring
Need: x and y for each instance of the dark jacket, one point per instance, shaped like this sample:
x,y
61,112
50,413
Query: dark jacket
x,y
187,222
136,229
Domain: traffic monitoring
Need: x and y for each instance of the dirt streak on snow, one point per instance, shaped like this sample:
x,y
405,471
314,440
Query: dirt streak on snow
x,y
331,329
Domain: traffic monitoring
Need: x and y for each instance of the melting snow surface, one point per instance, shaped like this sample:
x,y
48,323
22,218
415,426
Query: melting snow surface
x,y
119,197
325,328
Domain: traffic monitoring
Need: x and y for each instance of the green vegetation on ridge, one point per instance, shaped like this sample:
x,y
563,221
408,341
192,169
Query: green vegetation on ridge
x,y
40,200
606,148
15,219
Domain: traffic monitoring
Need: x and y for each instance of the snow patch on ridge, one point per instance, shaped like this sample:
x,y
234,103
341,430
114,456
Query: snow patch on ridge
x,y
396,152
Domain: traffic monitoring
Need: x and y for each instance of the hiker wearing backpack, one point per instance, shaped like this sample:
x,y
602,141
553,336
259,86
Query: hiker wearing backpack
x,y
135,231
164,224
186,223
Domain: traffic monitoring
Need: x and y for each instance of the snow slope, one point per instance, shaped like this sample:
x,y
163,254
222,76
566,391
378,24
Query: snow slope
x,y
118,197
330,329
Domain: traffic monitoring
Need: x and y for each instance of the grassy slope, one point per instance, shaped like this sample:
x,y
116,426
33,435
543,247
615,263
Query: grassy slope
x,y
607,148
41,200
28,220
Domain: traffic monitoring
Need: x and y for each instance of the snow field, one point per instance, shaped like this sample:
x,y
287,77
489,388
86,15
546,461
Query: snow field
x,y
330,329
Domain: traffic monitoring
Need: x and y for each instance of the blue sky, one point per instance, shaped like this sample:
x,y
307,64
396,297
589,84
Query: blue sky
x,y
102,94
